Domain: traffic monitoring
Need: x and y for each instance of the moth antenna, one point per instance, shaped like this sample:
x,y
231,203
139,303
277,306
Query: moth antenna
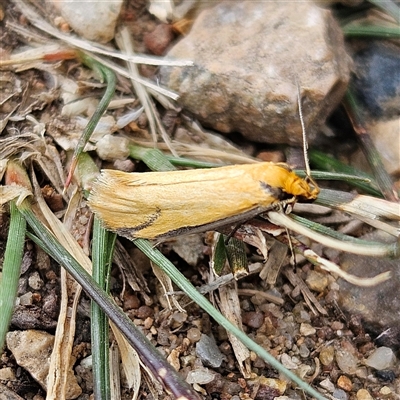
x,y
303,130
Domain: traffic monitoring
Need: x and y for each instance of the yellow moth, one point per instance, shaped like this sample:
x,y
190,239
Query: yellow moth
x,y
158,205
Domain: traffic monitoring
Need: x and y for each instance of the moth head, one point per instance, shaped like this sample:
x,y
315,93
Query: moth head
x,y
304,189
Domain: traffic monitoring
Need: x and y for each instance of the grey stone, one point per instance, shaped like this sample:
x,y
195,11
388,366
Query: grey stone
x,y
208,352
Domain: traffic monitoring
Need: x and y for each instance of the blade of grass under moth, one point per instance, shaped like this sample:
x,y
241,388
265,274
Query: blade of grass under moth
x,y
102,251
390,7
153,158
360,205
111,80
157,257
380,250
382,177
369,30
11,269
325,162
151,357
326,231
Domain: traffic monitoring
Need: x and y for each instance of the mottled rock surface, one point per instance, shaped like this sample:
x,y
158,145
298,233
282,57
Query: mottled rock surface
x,y
93,20
32,350
247,58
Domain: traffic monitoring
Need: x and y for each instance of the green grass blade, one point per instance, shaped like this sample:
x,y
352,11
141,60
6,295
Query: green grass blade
x,y
11,269
325,162
367,30
153,158
111,79
389,6
102,250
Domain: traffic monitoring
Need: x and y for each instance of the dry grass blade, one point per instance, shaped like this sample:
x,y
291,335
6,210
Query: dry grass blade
x,y
335,269
276,257
125,42
8,193
61,362
115,380
309,298
202,153
124,72
229,305
130,361
168,288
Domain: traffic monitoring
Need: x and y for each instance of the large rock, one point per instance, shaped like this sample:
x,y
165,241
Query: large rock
x,y
248,56
93,20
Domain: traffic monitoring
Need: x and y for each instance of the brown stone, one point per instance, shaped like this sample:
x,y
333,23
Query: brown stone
x,y
247,58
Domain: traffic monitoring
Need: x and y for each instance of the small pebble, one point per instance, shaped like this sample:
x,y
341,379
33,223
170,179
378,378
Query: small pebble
x,y
112,148
303,371
208,352
317,281
7,374
307,329
385,375
305,316
194,335
337,325
303,351
35,282
178,318
94,20
382,358
148,323
201,376
340,394
328,385
289,362
26,299
159,39
187,361
131,301
253,319
87,362
363,394
326,355
385,391
345,383
346,361
173,359
144,312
